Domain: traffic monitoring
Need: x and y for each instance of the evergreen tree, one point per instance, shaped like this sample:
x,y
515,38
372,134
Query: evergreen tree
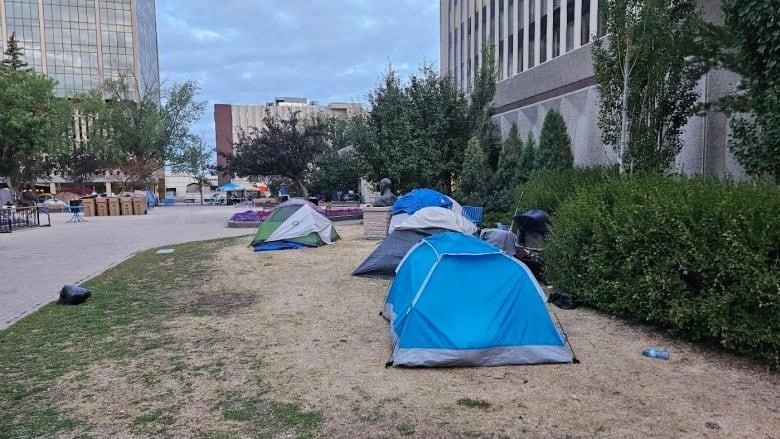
x,y
527,159
508,173
554,144
14,55
474,177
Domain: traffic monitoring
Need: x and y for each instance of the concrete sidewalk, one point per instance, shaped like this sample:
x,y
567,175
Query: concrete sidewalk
x,y
36,263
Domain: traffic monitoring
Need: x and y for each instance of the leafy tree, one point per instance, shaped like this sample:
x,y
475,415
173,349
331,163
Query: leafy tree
x,y
527,159
647,87
439,131
382,136
508,173
554,144
755,26
14,55
88,150
338,167
33,123
481,109
475,177
148,127
195,160
283,147
415,133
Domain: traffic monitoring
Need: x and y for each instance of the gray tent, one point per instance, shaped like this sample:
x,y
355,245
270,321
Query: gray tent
x,y
382,262
503,239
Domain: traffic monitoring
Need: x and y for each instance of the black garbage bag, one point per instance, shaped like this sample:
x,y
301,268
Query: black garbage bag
x,y
563,299
73,295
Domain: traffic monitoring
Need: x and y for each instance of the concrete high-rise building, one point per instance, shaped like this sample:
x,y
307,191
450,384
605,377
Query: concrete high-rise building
x,y
81,42
230,120
543,52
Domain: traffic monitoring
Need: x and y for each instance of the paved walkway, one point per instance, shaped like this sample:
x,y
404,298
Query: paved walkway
x,y
36,263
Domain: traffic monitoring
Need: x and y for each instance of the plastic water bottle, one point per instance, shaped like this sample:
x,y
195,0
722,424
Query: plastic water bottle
x,y
659,353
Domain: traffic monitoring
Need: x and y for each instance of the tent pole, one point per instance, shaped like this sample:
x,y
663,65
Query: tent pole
x,y
573,355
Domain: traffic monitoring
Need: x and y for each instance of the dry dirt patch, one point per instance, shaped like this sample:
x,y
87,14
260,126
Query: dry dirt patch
x,y
305,332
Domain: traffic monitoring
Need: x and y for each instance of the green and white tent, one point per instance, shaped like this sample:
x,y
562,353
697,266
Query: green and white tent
x,y
294,224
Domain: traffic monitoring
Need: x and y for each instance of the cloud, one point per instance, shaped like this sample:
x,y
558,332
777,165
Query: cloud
x,y
248,52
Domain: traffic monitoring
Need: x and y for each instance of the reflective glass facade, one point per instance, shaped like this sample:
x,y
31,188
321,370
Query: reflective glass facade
x,y
148,66
81,42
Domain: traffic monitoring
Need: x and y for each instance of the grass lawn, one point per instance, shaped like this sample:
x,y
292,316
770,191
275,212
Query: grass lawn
x,y
215,341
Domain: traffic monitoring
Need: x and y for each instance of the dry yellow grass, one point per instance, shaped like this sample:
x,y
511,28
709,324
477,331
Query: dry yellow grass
x,y
295,327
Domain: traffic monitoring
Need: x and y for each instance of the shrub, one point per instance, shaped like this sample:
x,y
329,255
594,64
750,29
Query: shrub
x,y
508,173
527,159
475,178
547,188
699,257
554,150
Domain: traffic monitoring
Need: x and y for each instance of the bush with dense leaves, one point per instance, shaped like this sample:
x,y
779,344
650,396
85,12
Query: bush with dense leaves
x,y
547,188
699,257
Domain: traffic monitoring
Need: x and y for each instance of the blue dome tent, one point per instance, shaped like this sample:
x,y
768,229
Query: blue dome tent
x,y
419,198
459,301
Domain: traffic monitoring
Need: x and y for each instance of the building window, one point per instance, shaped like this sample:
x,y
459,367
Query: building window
x,y
585,34
556,36
493,20
484,23
501,11
520,39
569,25
543,32
531,31
520,65
468,73
468,39
455,53
511,21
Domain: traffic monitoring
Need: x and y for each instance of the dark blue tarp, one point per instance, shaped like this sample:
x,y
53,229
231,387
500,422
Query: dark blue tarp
x,y
278,245
419,198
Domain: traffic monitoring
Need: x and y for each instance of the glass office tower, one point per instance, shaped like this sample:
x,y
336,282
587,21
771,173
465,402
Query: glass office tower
x,y
81,42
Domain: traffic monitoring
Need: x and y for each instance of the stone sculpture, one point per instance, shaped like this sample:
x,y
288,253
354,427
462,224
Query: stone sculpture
x,y
386,196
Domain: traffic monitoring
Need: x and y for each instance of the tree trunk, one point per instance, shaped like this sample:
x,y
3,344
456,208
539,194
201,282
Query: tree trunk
x,y
10,188
201,193
303,188
623,142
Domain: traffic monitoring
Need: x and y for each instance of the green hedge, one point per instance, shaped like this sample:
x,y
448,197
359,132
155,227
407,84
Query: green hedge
x,y
699,257
546,189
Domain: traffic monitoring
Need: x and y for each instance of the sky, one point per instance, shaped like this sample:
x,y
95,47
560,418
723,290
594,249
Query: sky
x,y
250,51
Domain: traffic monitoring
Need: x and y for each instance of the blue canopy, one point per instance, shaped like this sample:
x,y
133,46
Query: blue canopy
x,y
230,186
460,301
419,198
